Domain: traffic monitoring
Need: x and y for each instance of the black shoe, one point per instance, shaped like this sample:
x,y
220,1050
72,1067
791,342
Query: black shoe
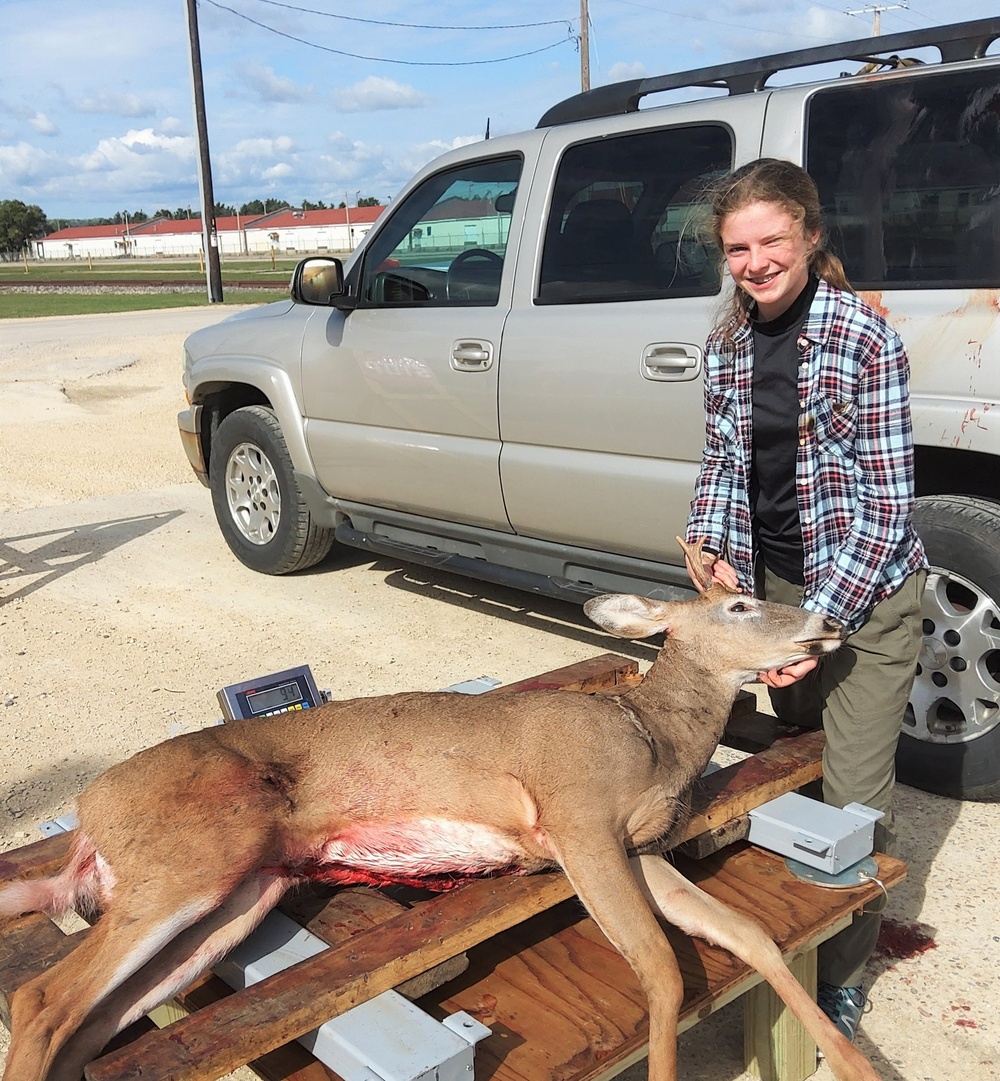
x,y
843,1005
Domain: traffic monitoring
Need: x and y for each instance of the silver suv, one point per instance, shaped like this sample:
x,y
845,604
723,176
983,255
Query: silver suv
x,y
505,379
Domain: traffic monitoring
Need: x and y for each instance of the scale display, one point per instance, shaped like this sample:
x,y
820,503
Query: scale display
x,y
266,696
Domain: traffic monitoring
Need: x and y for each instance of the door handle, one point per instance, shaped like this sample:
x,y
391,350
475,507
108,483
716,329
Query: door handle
x,y
670,362
471,356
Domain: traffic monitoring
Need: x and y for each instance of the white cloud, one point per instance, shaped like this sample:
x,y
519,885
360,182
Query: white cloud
x,y
348,160
417,156
121,152
375,93
270,87
276,172
260,148
23,163
43,125
621,71
114,102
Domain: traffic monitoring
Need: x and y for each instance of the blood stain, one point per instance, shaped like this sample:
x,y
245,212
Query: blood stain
x,y
899,941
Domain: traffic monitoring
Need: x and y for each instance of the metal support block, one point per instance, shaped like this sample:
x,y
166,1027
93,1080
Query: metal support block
x,y
387,1038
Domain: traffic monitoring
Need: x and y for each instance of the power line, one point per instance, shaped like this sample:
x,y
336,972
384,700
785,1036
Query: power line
x,y
416,26
386,59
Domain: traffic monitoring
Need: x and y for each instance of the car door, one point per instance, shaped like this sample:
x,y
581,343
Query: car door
x,y
601,404
402,391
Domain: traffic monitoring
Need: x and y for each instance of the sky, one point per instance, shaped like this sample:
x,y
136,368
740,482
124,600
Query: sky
x,y
330,99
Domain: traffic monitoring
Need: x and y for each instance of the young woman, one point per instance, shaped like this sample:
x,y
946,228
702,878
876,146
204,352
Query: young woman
x,y
805,495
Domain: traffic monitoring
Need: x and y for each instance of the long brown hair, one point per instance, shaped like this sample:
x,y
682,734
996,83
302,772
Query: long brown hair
x,y
770,180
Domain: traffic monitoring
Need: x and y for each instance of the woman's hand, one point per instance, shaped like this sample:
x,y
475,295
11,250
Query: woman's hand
x,y
792,673
719,570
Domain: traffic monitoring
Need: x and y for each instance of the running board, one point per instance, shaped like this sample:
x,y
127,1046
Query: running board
x,y
556,586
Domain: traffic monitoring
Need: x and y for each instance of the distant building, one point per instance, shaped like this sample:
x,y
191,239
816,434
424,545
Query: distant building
x,y
282,231
81,241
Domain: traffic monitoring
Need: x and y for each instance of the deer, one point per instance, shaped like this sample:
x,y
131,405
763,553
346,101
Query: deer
x,y
184,847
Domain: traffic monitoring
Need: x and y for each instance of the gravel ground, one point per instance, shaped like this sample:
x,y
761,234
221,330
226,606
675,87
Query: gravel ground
x,y
122,613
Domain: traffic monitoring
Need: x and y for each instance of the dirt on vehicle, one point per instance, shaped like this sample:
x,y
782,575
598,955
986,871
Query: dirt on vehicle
x,y
122,612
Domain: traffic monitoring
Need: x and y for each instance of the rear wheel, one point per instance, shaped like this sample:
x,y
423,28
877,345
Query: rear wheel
x,y
258,505
950,742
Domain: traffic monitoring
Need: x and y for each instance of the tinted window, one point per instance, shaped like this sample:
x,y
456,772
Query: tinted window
x,y
445,245
909,175
621,224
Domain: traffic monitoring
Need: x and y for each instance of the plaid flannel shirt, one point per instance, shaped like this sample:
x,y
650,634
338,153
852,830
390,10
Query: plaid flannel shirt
x,y
854,470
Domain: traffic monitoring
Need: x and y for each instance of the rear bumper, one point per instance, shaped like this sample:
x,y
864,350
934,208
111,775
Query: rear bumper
x,y
189,426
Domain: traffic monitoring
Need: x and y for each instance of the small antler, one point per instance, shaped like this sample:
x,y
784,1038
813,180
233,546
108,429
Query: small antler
x,y
702,576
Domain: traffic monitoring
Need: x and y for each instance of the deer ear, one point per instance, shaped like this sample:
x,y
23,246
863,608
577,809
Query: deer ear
x,y
627,615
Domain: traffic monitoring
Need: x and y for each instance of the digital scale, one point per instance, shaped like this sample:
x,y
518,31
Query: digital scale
x,y
266,696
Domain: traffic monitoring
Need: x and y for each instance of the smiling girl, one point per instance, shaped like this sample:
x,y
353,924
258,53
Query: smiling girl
x,y
806,487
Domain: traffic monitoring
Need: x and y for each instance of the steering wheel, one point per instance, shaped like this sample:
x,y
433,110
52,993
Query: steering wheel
x,y
482,268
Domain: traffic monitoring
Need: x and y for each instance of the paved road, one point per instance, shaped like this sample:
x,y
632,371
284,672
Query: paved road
x,y
64,329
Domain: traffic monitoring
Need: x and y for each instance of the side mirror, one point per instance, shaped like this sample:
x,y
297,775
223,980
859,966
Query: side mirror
x,y
504,203
318,281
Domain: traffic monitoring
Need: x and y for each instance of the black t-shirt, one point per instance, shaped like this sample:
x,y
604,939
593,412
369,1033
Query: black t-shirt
x,y
773,502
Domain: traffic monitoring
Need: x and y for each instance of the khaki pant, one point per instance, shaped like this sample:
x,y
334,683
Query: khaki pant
x,y
858,695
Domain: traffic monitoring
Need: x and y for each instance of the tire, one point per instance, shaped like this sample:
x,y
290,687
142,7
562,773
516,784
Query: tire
x,y
950,741
258,505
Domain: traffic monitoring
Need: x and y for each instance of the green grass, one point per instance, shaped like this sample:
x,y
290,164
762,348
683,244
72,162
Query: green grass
x,y
235,270
29,305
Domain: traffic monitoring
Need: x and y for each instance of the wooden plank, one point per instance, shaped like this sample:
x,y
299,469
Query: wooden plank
x,y
290,1062
337,915
603,673
737,789
562,1003
43,857
257,1019
223,1035
29,945
715,840
752,731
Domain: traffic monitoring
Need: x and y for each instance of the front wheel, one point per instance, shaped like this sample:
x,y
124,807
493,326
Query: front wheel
x,y
258,505
950,742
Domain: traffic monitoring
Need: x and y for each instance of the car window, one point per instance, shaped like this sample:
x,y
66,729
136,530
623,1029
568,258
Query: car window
x,y
909,175
445,245
623,220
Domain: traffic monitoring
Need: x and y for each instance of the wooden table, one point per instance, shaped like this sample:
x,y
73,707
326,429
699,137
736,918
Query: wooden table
x,y
559,999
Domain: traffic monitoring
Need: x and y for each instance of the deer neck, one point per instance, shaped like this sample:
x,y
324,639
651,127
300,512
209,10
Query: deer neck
x,y
684,703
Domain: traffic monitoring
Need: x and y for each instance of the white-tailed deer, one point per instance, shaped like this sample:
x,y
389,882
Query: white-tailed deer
x,y
186,846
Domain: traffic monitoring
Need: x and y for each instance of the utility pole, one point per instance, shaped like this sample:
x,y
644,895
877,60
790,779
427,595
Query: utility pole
x,y
876,10
210,239
584,46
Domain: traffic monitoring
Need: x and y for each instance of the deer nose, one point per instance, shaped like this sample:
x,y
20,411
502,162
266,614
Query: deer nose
x,y
834,626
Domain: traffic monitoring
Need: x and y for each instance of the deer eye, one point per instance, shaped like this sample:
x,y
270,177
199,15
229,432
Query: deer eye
x,y
739,606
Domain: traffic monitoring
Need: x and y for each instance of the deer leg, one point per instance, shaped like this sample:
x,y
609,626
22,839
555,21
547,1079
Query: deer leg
x,y
47,1010
695,912
190,954
600,875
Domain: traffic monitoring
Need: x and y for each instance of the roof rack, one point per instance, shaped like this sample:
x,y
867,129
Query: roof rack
x,y
960,41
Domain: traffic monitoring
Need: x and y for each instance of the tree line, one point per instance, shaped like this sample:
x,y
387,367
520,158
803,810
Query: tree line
x,y
21,223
